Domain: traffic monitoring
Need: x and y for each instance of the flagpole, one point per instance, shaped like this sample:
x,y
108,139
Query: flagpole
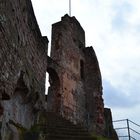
x,y
69,7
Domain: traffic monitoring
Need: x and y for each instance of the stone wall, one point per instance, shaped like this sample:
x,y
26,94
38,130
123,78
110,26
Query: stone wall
x,y
68,39
23,61
93,89
109,129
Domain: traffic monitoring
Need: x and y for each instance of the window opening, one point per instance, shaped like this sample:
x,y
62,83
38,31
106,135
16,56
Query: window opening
x,y
82,69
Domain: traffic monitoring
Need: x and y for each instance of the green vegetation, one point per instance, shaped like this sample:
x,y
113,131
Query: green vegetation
x,y
24,134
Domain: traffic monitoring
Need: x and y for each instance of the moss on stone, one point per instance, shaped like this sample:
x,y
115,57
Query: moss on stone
x,y
36,132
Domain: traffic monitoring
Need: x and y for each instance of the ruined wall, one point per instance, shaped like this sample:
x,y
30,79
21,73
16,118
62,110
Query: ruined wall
x,y
93,89
80,78
109,129
23,55
68,38
75,90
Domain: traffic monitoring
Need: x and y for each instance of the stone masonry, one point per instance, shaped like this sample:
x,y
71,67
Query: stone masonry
x,y
75,91
78,89
23,63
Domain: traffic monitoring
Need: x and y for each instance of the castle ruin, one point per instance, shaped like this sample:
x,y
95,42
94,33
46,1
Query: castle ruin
x,y
75,91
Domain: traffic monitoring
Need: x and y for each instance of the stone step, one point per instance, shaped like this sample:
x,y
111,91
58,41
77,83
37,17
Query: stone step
x,y
58,128
70,127
68,133
66,129
66,137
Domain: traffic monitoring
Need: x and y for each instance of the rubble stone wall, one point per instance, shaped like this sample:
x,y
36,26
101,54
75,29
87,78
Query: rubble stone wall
x,y
68,39
23,64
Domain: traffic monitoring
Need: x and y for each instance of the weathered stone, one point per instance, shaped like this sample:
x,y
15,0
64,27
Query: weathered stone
x,y
109,130
79,92
23,61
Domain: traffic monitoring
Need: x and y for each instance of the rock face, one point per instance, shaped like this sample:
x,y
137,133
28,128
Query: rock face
x,y
23,63
75,90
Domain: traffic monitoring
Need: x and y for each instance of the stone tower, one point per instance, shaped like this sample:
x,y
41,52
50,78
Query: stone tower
x,y
78,89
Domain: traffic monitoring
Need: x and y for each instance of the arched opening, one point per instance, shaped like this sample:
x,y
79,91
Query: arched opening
x,y
53,78
47,84
20,103
54,96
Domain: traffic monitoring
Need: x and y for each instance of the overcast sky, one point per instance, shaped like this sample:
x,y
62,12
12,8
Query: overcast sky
x,y
112,27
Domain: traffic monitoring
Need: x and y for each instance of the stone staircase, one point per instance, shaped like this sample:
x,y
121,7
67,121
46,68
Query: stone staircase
x,y
58,128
